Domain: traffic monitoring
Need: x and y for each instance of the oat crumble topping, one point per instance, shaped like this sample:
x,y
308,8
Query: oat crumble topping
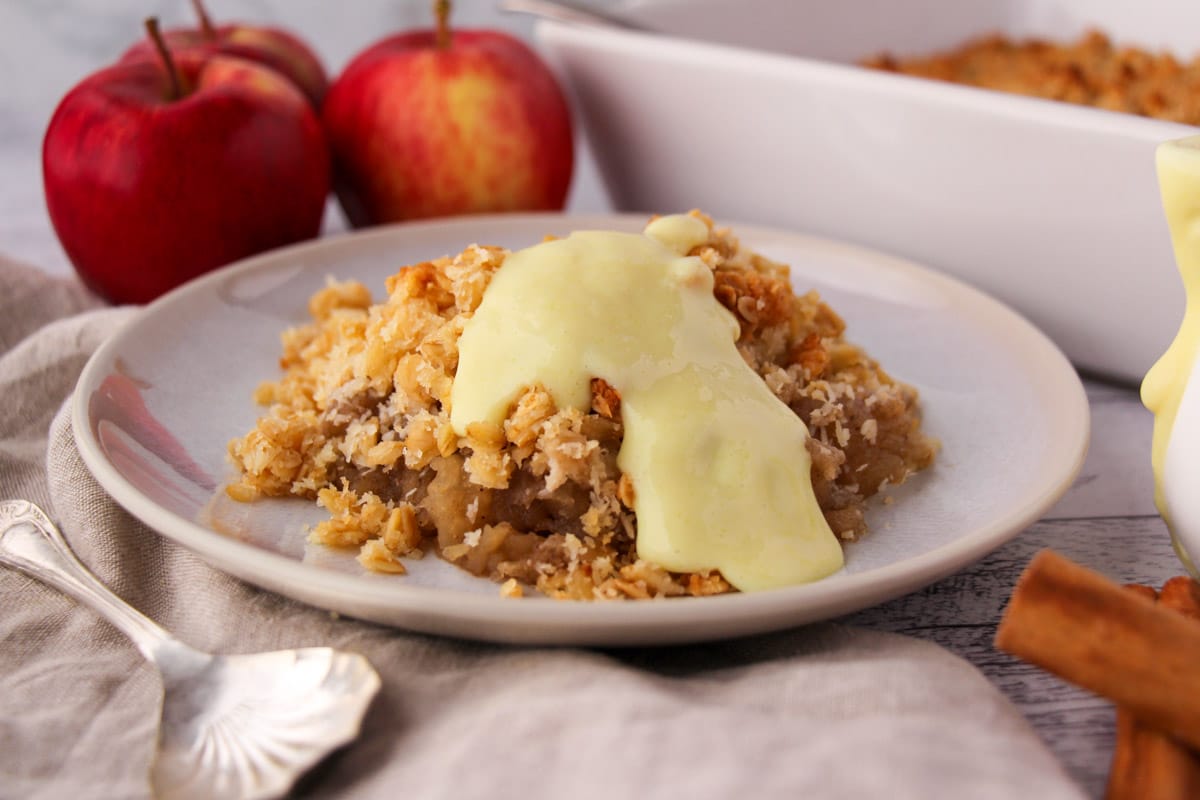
x,y
1090,71
359,421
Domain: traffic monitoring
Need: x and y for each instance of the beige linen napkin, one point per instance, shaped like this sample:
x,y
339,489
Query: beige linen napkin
x,y
818,712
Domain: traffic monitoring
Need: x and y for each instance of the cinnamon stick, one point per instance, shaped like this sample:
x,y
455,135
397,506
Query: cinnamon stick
x,y
1129,733
1131,739
1147,763
1122,771
1086,629
1158,766
1181,594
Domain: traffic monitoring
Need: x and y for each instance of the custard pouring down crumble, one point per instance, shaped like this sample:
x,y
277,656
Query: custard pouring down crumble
x,y
360,421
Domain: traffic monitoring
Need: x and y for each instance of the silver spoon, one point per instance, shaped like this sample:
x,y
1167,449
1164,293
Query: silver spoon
x,y
567,11
243,726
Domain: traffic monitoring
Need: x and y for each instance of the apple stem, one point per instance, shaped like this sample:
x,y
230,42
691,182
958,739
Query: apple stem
x,y
441,11
176,90
206,25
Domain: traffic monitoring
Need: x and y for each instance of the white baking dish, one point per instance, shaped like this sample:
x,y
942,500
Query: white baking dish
x,y
1051,207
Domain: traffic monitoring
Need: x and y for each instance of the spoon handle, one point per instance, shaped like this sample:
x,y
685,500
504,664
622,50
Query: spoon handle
x,y
30,542
567,11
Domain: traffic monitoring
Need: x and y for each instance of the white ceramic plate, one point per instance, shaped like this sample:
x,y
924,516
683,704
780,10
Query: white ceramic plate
x,y
157,404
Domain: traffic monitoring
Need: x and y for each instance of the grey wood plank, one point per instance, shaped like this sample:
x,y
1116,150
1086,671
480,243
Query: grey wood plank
x,y
1116,479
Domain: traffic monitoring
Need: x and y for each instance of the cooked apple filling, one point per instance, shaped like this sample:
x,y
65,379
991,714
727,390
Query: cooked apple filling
x,y
538,497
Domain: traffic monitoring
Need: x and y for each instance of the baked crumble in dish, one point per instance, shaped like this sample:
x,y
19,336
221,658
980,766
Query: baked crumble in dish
x,y
1090,71
360,422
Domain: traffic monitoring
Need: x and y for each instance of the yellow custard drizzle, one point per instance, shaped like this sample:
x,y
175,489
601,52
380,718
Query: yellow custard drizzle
x,y
1164,386
719,466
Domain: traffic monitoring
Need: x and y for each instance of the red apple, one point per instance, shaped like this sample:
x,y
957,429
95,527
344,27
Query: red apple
x,y
434,122
273,47
154,175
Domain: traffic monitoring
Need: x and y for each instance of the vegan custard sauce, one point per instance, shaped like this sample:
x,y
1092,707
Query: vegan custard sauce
x,y
721,474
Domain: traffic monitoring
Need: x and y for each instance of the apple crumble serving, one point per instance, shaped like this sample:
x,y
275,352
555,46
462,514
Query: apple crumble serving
x,y
360,421
1090,71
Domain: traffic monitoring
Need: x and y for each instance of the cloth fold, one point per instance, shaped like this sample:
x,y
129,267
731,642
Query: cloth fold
x,y
823,711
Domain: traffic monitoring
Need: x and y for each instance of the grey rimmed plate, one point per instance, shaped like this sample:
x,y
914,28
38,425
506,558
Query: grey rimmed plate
x,y
157,404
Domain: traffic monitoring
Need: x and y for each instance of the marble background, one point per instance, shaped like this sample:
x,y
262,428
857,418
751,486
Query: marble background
x,y
47,46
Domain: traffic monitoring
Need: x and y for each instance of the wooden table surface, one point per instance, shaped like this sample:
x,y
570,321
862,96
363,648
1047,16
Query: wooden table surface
x,y
1106,521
